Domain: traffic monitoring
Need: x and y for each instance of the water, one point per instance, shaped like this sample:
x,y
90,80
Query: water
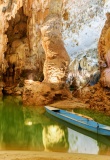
x,y
23,128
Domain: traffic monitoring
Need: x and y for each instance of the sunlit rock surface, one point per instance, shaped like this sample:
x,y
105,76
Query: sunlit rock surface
x,y
104,53
37,37
81,32
98,96
23,55
41,93
57,59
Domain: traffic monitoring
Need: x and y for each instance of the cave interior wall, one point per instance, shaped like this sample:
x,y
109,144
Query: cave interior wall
x,y
23,56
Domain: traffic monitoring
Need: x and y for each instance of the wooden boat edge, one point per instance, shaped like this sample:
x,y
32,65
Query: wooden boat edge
x,y
53,109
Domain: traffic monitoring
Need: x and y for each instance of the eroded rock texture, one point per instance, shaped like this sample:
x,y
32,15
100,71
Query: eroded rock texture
x,y
22,48
104,53
56,62
81,73
97,97
32,48
57,59
82,24
22,55
8,9
41,93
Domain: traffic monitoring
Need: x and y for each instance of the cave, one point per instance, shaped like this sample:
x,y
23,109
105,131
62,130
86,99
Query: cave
x,y
20,64
17,47
46,56
54,53
29,44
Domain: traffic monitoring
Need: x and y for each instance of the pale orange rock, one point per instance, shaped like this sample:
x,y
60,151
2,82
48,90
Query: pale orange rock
x,y
104,53
57,59
39,93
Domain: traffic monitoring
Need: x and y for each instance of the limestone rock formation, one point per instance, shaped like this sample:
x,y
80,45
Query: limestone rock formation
x,y
57,59
56,62
104,53
39,93
35,37
22,54
81,31
96,96
81,73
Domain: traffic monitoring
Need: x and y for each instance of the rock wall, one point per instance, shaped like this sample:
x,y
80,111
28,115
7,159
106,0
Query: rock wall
x,y
98,96
57,59
104,53
36,31
7,10
56,62
21,54
37,93
81,32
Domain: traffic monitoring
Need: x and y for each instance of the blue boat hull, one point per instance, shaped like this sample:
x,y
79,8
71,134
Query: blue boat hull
x,y
79,121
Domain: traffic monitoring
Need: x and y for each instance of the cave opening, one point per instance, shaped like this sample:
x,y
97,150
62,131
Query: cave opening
x,y
21,64
17,47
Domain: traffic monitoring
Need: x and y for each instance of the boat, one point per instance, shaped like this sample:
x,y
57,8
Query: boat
x,y
99,138
79,120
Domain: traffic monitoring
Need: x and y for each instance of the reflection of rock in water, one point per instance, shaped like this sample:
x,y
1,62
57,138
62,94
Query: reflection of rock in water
x,y
79,143
55,138
19,129
1,106
33,120
33,137
12,124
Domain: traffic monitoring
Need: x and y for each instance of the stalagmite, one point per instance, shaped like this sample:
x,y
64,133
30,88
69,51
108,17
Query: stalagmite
x,y
57,59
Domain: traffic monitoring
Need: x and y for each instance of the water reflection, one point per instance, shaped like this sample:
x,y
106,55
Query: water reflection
x,y
11,122
55,138
23,128
80,143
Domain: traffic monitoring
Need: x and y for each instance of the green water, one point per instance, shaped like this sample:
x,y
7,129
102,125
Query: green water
x,y
29,128
97,116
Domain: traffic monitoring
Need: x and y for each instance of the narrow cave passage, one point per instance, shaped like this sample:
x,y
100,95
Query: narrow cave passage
x,y
17,49
21,63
